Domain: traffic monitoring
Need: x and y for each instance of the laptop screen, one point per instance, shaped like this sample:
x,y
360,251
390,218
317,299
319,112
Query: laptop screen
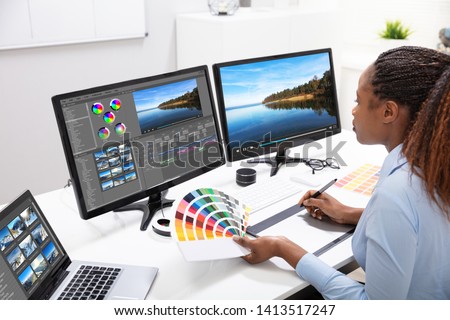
x,y
30,252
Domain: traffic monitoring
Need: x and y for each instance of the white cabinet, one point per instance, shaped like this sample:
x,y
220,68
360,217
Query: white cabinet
x,y
36,23
254,32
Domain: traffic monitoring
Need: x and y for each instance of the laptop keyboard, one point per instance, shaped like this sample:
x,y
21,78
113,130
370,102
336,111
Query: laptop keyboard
x,y
90,283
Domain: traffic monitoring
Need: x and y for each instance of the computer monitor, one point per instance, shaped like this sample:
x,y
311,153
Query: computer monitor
x,y
273,103
135,139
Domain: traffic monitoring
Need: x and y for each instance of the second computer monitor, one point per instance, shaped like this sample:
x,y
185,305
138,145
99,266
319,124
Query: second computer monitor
x,y
270,104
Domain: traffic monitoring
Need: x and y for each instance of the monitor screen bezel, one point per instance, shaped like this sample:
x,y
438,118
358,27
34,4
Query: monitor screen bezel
x,y
291,142
76,183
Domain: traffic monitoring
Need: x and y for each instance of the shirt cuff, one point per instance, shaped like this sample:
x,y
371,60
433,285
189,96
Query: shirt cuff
x,y
313,270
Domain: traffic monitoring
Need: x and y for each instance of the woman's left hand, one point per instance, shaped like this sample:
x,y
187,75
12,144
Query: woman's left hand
x,y
264,248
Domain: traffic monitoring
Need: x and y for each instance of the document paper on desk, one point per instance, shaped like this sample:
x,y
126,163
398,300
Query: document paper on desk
x,y
204,222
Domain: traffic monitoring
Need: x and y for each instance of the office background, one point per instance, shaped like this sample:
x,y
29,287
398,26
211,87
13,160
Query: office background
x,y
32,155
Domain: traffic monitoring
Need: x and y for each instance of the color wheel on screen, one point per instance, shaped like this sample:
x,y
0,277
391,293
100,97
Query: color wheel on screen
x,y
97,108
204,222
115,104
120,128
103,133
109,117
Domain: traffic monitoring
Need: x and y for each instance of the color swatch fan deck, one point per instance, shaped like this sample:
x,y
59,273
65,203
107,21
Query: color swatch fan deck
x,y
204,223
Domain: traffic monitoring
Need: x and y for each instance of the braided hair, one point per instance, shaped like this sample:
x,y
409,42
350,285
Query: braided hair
x,y
419,79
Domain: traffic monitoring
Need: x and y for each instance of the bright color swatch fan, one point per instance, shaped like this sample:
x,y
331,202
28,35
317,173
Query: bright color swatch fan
x,y
204,222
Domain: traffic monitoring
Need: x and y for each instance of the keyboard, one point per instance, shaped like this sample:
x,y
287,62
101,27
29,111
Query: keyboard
x,y
263,194
90,283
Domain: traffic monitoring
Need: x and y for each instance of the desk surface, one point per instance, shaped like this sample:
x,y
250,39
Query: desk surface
x,y
115,237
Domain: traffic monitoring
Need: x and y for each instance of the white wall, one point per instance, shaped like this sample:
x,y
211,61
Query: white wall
x,y
31,150
362,20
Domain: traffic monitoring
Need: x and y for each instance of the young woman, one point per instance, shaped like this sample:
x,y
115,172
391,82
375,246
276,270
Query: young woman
x,y
402,238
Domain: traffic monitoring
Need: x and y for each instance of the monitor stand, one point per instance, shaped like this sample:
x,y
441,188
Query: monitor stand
x,y
280,159
156,201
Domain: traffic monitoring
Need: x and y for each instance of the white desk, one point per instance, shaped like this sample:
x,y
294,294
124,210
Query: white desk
x,y
115,237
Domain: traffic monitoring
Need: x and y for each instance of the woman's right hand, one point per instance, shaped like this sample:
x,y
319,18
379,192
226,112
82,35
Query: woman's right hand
x,y
329,206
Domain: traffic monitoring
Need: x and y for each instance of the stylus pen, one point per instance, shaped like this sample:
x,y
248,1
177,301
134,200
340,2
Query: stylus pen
x,y
323,189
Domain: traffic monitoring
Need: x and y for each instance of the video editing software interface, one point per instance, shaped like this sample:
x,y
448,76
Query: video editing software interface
x,y
131,138
274,99
29,251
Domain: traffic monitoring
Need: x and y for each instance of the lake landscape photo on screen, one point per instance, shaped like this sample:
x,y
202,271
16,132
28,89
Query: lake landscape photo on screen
x,y
275,99
167,104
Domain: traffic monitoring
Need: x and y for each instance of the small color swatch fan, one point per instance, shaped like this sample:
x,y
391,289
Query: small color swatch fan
x,y
204,223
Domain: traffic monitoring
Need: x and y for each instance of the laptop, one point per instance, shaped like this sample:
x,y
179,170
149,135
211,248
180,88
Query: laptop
x,y
34,264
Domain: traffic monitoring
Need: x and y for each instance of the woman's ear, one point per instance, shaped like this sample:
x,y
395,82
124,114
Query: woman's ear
x,y
390,111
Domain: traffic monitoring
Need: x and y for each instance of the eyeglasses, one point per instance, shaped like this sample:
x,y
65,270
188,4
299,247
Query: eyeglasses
x,y
317,164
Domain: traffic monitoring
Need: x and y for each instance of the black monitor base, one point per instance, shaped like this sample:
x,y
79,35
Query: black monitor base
x,y
280,159
156,201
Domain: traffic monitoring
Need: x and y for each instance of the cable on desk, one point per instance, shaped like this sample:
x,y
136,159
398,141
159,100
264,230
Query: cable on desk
x,y
69,183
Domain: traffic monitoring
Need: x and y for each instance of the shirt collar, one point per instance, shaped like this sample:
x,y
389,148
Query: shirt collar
x,y
394,160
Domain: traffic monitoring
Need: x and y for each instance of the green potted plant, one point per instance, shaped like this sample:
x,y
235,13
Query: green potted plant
x,y
394,34
395,30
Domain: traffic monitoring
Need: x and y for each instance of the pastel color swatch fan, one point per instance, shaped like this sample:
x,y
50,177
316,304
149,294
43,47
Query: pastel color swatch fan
x,y
204,222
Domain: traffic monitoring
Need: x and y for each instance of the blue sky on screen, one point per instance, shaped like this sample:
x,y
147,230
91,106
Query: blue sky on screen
x,y
150,98
251,83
